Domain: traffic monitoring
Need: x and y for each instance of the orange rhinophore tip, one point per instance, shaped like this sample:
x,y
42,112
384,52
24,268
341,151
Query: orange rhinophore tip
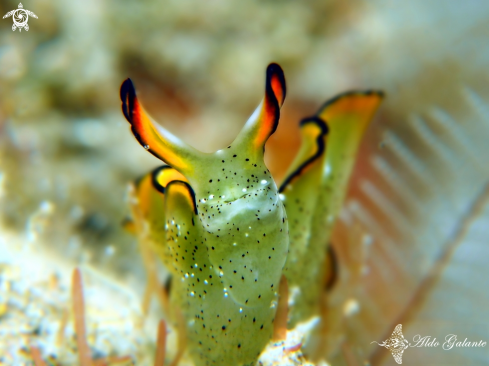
x,y
264,121
154,138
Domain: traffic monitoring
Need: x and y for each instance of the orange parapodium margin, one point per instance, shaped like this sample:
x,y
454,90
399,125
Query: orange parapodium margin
x,y
144,191
150,184
162,176
358,107
185,190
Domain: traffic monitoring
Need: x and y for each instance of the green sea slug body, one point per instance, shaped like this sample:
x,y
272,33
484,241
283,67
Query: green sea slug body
x,y
226,232
219,223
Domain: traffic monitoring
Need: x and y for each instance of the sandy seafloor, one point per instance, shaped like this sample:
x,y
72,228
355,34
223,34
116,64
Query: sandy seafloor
x,y
418,192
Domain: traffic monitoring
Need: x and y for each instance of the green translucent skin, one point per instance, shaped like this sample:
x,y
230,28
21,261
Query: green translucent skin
x,y
222,228
247,233
244,243
220,329
226,231
304,267
314,198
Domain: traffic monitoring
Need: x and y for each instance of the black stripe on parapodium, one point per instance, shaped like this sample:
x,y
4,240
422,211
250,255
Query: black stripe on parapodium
x,y
334,268
190,190
168,285
154,178
320,149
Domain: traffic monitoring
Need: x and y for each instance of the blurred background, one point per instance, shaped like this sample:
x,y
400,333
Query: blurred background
x,y
412,239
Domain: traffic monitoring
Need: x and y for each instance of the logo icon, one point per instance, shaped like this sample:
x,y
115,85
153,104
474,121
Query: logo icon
x,y
396,344
20,17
